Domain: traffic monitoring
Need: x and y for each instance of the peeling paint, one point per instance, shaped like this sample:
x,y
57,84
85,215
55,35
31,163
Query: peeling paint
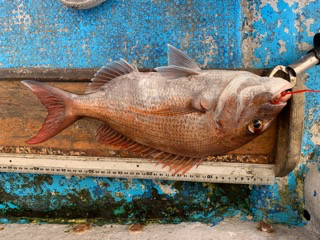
x,y
167,189
20,17
101,200
249,42
216,34
308,23
282,46
48,34
213,49
315,133
281,33
272,3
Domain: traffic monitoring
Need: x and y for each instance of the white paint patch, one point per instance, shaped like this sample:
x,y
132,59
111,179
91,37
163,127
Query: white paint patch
x,y
20,17
267,59
301,4
167,189
303,46
250,44
308,23
286,30
312,195
135,46
86,49
282,46
279,23
315,132
298,23
310,114
272,3
186,41
213,48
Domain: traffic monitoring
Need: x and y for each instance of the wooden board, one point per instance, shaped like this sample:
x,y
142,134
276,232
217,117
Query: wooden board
x,y
289,133
22,115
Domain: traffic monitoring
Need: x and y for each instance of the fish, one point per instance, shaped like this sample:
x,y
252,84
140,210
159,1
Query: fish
x,y
177,116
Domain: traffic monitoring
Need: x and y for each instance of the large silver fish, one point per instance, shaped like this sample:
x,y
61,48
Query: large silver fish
x,y
178,115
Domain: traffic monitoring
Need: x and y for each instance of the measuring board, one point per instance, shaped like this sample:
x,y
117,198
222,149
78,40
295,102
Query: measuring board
x,y
219,172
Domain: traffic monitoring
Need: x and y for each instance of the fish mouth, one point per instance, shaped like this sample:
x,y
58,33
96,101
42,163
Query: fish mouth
x,y
281,97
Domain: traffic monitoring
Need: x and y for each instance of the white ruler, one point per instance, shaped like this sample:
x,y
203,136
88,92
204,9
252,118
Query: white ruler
x,y
219,172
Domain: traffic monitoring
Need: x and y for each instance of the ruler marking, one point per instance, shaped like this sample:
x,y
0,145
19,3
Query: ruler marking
x,y
239,173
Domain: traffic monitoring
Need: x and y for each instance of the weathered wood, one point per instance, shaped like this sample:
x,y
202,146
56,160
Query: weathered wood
x,y
67,74
51,74
22,116
47,74
289,135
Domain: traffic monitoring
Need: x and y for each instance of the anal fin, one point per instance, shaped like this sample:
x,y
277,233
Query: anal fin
x,y
177,164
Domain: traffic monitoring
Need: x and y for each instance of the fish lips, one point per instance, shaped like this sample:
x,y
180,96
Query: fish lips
x,y
278,95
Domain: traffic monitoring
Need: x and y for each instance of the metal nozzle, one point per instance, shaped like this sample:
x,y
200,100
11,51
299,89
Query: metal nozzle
x,y
308,61
303,64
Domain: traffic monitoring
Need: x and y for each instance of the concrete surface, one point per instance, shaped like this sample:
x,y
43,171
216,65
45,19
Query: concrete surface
x,y
230,229
312,195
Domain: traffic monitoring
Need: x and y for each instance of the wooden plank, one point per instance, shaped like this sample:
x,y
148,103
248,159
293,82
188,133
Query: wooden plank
x,y
51,74
68,74
47,74
22,116
289,135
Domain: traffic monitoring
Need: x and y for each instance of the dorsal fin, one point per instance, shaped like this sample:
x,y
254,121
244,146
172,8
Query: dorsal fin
x,y
180,65
109,72
174,72
178,58
177,164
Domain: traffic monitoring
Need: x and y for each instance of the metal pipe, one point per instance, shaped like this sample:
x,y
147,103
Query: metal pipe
x,y
303,64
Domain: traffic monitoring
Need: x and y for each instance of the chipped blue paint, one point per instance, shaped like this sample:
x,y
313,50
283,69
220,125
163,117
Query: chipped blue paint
x,y
292,181
272,27
118,200
268,203
284,33
47,34
165,188
122,189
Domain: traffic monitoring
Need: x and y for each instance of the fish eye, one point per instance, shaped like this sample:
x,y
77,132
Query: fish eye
x,y
255,126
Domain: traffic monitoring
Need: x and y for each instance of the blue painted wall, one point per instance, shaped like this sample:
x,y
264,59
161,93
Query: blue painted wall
x,y
47,34
217,34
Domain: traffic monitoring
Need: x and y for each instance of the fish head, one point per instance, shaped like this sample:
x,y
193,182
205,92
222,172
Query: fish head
x,y
252,104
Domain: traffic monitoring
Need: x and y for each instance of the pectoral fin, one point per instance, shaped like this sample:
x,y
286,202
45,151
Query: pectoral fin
x,y
204,102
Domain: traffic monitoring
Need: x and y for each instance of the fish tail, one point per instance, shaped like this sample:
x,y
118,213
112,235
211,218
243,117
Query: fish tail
x,y
60,114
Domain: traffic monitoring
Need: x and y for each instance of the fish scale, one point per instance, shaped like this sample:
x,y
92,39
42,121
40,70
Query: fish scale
x,y
178,115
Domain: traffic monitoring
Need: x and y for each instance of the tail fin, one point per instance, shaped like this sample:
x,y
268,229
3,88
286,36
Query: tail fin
x,y
59,112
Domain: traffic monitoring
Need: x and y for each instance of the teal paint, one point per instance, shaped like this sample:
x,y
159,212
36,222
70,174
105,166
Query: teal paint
x,y
138,30
118,201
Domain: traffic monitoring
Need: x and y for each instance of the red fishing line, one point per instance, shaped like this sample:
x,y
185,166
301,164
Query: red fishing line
x,y
293,92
